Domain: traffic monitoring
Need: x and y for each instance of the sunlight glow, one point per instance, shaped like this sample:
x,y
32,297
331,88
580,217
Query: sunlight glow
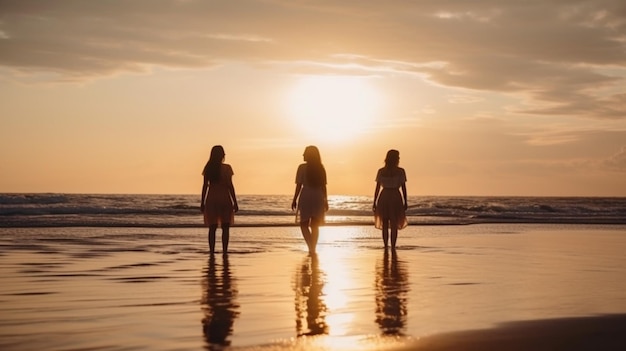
x,y
333,108
338,283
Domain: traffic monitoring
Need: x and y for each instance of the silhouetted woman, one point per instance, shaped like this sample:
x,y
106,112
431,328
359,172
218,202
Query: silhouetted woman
x,y
219,202
389,205
310,197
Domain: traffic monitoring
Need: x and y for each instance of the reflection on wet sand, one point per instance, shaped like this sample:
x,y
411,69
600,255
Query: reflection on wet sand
x,y
219,303
392,289
310,307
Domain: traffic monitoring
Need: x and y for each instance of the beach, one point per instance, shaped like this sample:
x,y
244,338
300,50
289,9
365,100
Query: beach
x,y
446,287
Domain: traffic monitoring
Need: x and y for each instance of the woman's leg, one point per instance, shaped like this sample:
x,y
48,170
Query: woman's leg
x,y
306,233
212,230
386,231
225,236
315,234
394,234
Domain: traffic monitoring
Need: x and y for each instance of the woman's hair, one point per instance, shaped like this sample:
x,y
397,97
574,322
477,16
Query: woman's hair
x,y
212,169
315,172
392,160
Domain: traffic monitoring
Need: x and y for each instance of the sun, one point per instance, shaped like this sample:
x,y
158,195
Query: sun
x,y
333,108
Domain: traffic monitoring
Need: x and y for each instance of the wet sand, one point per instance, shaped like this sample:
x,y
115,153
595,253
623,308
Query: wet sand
x,y
605,333
513,287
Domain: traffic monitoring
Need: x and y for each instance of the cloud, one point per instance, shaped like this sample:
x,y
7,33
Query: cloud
x,y
578,140
617,161
553,138
554,52
464,99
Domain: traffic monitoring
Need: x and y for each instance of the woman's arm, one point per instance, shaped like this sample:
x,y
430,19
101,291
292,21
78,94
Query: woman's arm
x,y
325,197
231,190
376,192
203,193
296,193
406,203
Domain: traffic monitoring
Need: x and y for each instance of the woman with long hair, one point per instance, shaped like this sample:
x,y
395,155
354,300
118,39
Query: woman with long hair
x,y
310,199
219,202
389,204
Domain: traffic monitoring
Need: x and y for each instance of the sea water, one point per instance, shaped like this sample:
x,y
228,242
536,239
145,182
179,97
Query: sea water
x,y
127,210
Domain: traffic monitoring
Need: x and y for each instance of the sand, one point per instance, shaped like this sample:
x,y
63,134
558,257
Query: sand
x,y
513,287
582,333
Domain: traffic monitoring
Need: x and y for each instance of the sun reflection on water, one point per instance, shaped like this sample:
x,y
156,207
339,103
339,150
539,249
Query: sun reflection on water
x,y
330,306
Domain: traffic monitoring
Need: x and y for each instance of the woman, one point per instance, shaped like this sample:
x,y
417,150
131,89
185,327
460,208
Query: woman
x,y
219,202
389,205
311,192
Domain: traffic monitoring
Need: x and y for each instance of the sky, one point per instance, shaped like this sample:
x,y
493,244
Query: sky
x,y
481,97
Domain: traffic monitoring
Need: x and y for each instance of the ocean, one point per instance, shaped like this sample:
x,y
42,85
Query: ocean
x,y
182,211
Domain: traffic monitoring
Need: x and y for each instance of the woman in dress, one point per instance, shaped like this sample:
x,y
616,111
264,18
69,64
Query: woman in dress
x,y
389,205
310,197
219,202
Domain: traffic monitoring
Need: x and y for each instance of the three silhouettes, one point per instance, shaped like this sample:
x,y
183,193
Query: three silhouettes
x,y
310,199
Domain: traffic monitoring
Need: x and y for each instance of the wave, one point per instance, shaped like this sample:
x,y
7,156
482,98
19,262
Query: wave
x,y
27,210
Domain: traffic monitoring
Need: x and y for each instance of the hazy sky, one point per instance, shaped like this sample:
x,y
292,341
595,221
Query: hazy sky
x,y
481,97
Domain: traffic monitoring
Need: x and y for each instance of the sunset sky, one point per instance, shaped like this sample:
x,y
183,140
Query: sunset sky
x,y
481,97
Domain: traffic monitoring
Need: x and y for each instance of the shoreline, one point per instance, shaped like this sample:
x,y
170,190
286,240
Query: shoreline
x,y
452,223
442,288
